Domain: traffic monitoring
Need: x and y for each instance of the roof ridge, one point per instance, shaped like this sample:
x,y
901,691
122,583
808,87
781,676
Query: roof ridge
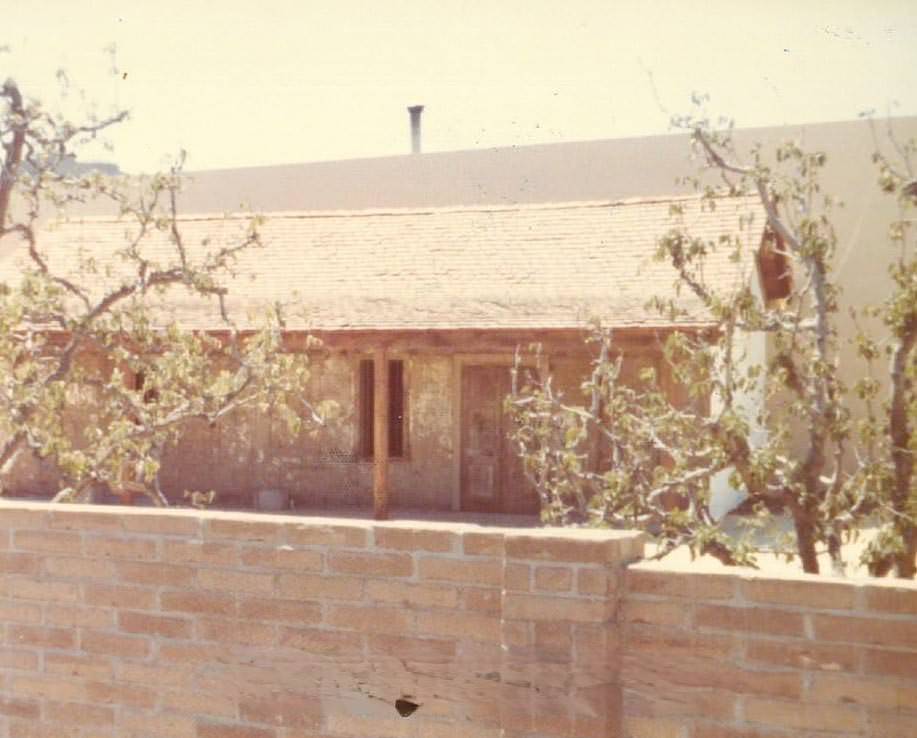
x,y
398,212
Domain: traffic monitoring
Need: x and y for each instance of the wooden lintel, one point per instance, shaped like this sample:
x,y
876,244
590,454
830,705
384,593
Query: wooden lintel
x,y
380,434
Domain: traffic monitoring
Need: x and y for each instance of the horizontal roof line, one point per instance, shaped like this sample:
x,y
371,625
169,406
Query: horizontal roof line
x,y
400,212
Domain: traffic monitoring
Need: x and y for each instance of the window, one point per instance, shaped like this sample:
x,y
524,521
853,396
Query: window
x,y
395,408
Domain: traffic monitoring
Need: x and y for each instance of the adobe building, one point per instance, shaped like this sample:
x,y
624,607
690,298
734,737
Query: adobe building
x,y
423,274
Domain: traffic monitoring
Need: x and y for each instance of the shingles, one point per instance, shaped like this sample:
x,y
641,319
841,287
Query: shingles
x,y
541,266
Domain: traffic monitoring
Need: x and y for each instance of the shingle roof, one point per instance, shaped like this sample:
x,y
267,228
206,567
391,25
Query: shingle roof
x,y
527,266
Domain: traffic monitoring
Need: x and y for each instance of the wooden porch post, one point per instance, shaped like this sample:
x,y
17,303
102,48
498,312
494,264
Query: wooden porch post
x,y
380,435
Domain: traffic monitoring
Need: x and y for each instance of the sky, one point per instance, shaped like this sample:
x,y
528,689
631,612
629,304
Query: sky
x,y
278,81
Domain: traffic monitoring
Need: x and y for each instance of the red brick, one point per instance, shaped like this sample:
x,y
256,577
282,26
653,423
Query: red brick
x,y
73,713
104,522
83,667
316,587
687,668
291,611
18,659
334,644
553,642
163,523
200,552
592,581
78,568
19,563
77,616
119,595
750,619
418,650
143,723
29,589
901,664
244,530
854,689
803,716
517,577
155,574
180,654
483,544
338,536
19,612
467,571
655,612
48,541
369,619
226,730
157,625
809,593
412,595
553,578
193,601
803,655
484,600
244,632
899,600
170,675
18,519
284,710
44,686
122,695
112,644
198,703
413,539
681,584
866,630
39,637
129,549
372,564
20,708
451,624
231,580
564,548
282,558
544,607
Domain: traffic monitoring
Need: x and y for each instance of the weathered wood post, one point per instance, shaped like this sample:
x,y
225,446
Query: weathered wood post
x,y
380,435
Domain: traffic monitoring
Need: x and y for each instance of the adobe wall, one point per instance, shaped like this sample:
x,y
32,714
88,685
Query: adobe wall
x,y
183,624
725,655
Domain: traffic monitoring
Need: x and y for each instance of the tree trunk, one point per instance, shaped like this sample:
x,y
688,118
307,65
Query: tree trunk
x,y
805,544
902,457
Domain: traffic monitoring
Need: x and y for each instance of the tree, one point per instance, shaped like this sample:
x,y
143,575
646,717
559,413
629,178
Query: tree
x,y
637,458
148,376
889,468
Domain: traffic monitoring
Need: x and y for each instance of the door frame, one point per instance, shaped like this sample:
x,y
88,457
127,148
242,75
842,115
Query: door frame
x,y
459,362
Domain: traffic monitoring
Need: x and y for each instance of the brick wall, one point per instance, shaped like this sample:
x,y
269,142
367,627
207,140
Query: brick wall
x,y
139,623
721,655
178,624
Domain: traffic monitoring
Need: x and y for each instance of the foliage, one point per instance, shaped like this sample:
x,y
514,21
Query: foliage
x,y
888,469
95,375
644,456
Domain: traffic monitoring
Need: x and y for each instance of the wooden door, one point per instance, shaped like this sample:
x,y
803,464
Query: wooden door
x,y
492,479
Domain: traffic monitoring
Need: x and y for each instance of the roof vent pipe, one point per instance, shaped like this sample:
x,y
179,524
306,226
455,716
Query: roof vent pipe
x,y
415,111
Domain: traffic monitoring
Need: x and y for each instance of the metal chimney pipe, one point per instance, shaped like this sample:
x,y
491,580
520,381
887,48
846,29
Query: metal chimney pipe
x,y
415,111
